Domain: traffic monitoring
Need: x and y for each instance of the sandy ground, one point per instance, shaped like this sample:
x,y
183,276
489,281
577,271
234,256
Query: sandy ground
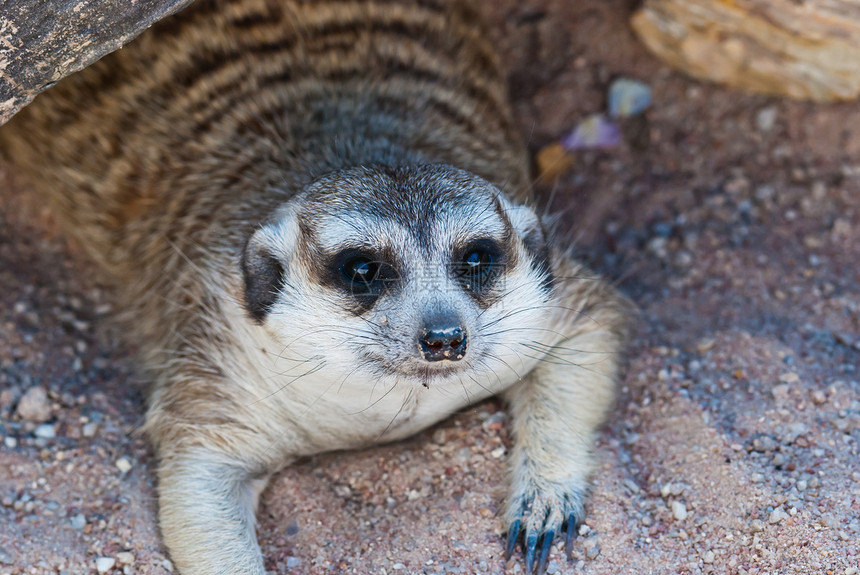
x,y
733,221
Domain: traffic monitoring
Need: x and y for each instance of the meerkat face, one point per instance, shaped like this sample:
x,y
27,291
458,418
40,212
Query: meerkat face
x,y
424,273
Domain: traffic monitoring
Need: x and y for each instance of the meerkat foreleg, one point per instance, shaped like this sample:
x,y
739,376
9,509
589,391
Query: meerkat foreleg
x,y
556,411
207,515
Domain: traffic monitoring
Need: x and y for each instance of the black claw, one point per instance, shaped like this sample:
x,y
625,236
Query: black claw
x,y
571,535
544,551
531,544
513,535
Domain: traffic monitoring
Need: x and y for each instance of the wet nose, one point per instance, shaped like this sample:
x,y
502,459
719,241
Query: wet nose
x,y
443,341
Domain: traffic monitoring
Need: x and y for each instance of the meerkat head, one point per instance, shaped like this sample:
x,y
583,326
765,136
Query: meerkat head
x,y
415,272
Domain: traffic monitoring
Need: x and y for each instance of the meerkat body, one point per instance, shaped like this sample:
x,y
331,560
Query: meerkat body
x,y
316,213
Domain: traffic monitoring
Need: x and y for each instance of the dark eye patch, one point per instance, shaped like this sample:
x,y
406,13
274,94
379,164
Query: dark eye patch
x,y
362,274
477,265
536,244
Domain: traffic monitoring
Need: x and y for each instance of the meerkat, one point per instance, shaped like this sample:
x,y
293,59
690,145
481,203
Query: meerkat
x,y
318,217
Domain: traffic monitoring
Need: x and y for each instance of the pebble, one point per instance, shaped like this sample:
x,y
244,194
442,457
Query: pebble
x,y
592,551
105,564
756,526
789,377
764,443
123,464
792,432
293,562
777,515
708,557
765,192
672,489
34,405
593,132
552,162
628,97
78,521
45,431
679,510
89,429
705,345
765,119
781,392
10,442
851,571
125,558
842,227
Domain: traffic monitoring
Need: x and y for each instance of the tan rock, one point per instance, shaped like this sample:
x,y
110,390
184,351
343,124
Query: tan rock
x,y
34,405
552,163
805,50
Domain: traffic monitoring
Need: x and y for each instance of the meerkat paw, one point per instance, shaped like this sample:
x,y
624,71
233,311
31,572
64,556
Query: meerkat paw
x,y
536,512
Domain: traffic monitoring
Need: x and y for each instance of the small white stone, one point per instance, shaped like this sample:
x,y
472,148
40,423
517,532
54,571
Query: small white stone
x,y
708,557
777,515
765,119
78,521
398,566
167,565
45,431
10,442
125,558
89,429
105,564
123,464
851,571
497,452
679,510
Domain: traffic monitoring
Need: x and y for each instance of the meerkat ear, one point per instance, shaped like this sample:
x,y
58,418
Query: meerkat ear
x,y
264,264
264,275
535,239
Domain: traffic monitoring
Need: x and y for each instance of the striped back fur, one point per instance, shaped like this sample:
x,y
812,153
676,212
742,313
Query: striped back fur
x,y
193,133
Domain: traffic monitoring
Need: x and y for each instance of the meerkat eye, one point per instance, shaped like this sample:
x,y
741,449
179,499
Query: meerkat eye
x,y
361,270
477,263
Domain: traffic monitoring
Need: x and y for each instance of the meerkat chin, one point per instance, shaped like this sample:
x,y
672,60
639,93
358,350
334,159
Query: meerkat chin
x,y
309,207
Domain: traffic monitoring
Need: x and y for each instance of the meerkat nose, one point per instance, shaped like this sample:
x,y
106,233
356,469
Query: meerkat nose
x,y
443,339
